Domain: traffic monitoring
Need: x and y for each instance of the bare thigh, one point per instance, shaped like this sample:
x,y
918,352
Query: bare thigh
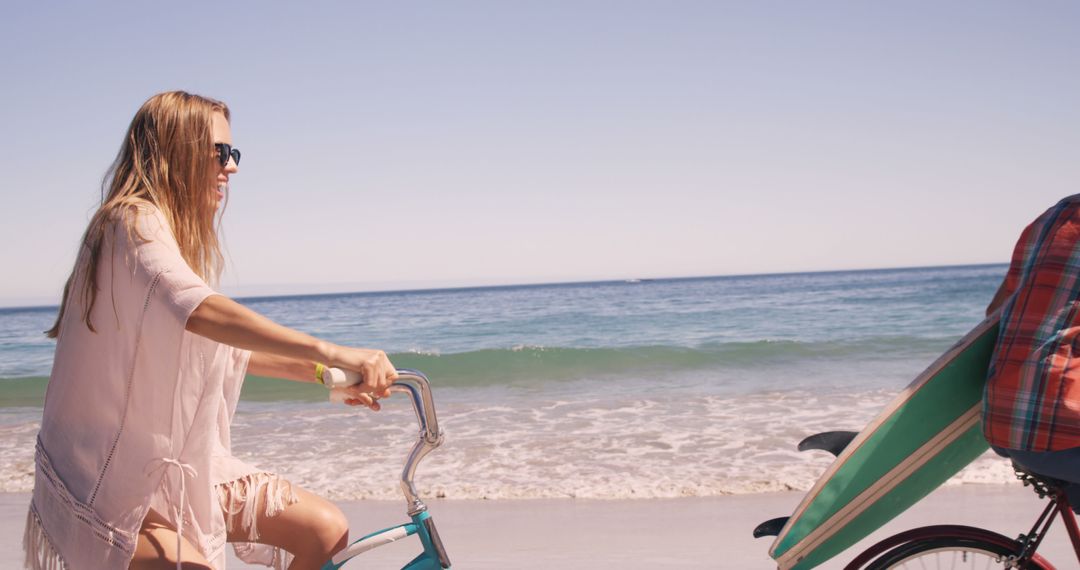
x,y
156,547
311,529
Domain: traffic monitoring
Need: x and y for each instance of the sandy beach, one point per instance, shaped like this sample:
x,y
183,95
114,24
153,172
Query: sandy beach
x,y
653,534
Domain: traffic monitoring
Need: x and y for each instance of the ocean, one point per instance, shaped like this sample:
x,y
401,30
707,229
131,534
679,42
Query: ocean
x,y
605,390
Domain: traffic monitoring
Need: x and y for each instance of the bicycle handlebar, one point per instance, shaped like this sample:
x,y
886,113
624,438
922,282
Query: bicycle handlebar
x,y
416,385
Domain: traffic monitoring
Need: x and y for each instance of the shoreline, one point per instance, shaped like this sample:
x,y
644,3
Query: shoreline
x,y
713,532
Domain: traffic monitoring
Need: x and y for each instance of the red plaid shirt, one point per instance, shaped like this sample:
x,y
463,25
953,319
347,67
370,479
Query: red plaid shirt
x,y
1033,390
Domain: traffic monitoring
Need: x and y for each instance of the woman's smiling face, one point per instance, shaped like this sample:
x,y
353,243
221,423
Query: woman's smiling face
x,y
222,134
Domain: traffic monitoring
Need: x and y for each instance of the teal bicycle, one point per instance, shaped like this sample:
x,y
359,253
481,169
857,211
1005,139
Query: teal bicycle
x,y
433,557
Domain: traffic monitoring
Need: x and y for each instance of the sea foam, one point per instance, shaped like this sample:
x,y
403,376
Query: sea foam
x,y
536,444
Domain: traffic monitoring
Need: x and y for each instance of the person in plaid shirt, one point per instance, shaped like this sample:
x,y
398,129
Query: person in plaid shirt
x,y
1031,409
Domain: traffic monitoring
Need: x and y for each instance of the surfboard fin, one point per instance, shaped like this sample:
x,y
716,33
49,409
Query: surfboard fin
x,y
832,441
771,527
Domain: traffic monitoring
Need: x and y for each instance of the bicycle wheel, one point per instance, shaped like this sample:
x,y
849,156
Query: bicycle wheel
x,y
941,548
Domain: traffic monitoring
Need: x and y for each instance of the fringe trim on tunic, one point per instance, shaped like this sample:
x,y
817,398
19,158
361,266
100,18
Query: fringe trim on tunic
x,y
279,561
239,501
40,554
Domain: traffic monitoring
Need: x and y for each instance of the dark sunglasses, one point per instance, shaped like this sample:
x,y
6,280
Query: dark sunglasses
x,y
224,151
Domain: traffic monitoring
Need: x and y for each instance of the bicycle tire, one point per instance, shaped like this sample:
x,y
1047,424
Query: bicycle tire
x,y
953,548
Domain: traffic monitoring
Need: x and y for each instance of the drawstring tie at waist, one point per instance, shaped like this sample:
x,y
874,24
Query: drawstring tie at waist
x,y
186,470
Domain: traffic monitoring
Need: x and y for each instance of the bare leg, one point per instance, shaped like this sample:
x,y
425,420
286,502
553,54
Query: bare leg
x,y
311,529
156,547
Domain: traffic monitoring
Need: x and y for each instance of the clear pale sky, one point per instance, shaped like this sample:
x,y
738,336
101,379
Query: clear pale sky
x,y
408,144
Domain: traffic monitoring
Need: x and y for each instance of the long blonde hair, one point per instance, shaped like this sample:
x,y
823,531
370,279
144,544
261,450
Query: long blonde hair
x,y
167,160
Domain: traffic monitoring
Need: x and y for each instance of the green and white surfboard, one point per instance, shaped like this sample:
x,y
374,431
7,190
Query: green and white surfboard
x,y
927,434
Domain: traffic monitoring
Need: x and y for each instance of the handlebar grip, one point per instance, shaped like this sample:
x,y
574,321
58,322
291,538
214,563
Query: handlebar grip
x,y
339,378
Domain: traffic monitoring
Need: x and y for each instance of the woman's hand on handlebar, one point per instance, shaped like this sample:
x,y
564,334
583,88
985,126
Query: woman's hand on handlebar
x,y
375,369
354,396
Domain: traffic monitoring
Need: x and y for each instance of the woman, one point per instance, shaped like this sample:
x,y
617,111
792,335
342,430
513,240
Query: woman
x,y
133,467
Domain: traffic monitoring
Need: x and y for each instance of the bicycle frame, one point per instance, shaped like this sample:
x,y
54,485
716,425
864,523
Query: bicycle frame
x,y
433,557
1059,505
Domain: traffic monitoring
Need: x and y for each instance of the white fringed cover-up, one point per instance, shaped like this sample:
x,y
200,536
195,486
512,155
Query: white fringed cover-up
x,y
138,411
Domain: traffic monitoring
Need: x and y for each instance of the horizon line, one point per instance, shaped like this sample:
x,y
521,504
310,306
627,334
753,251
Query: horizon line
x,y
31,307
